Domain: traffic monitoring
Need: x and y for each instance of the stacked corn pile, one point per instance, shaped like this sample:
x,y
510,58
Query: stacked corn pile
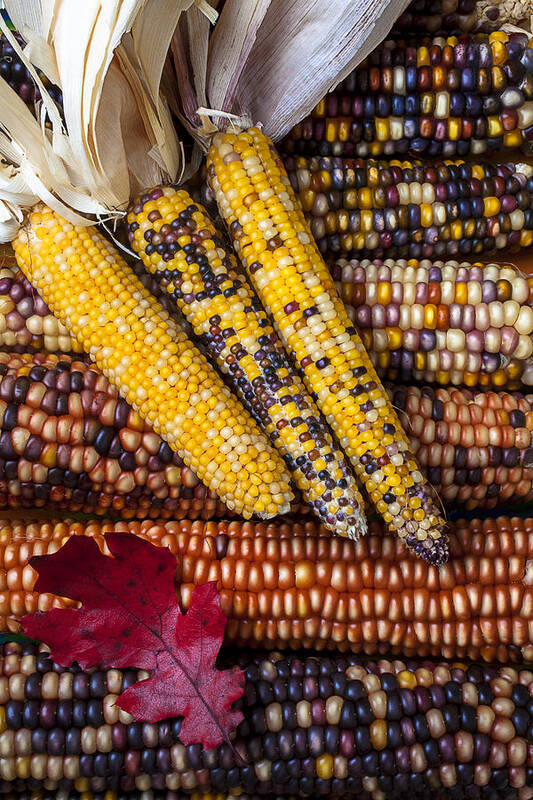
x,y
153,431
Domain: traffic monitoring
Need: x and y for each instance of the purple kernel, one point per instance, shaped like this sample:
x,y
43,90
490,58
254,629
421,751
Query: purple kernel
x,y
26,307
392,315
363,317
40,307
17,292
291,307
489,293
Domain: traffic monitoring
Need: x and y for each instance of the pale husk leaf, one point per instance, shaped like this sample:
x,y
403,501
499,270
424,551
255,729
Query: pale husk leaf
x,y
271,61
142,54
230,46
116,135
190,51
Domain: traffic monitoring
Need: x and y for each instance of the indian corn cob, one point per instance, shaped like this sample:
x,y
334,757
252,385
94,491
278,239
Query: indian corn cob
x,y
146,356
290,584
179,245
149,794
26,322
381,209
430,16
313,726
67,440
274,243
442,322
476,448
442,97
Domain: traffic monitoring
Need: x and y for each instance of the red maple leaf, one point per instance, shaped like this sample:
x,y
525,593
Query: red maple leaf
x,y
130,617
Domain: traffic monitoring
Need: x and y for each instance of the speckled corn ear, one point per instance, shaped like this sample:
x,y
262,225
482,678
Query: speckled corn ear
x,y
291,584
442,97
180,247
91,289
409,209
442,322
274,243
314,726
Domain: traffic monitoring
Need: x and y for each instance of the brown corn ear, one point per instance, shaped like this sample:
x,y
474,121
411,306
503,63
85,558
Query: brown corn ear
x,y
292,585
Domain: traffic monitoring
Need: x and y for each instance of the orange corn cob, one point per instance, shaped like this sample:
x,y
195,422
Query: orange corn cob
x,y
293,585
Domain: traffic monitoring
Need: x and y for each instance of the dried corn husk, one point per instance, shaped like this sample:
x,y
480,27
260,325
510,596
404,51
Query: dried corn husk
x,y
270,61
116,135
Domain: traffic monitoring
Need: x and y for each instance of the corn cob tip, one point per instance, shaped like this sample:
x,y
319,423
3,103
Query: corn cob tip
x,y
434,551
358,528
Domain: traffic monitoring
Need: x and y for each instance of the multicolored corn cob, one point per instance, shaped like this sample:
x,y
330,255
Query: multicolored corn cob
x,y
274,243
447,323
149,794
180,247
399,209
439,97
292,584
148,358
67,440
26,322
313,726
430,16
475,448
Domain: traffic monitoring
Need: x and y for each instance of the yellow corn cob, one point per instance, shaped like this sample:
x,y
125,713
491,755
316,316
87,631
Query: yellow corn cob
x,y
92,290
273,240
180,247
